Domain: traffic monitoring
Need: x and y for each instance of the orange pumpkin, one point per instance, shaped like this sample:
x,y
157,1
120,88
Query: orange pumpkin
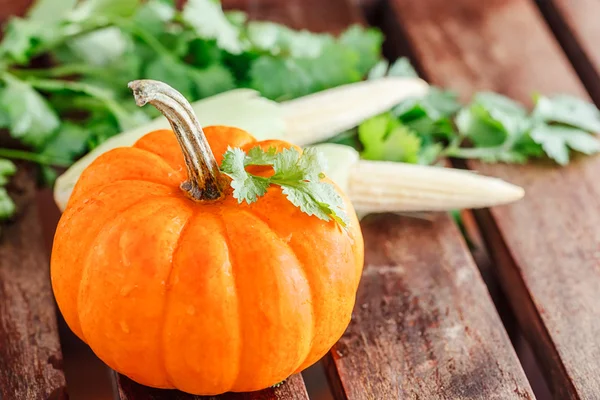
x,y
179,286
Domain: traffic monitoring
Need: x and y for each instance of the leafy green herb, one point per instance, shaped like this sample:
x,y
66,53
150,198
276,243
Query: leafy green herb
x,y
385,138
64,110
30,118
7,207
492,128
299,176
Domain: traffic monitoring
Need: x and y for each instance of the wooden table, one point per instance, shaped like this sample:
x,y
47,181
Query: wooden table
x,y
425,325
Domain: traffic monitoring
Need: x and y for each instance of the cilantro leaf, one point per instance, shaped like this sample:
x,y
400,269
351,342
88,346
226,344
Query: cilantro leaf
x,y
384,138
209,21
168,69
50,11
154,14
511,115
69,142
257,156
32,120
7,169
88,9
316,198
287,78
7,206
367,43
277,40
100,47
568,110
402,68
212,80
556,141
246,187
379,70
299,177
435,104
476,123
48,175
23,37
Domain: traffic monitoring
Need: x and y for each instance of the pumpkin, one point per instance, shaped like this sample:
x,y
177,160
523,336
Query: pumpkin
x,y
175,284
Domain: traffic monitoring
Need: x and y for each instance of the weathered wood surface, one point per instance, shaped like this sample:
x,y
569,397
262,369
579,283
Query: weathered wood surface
x,y
479,363
576,25
424,326
292,389
30,356
314,15
382,351
547,245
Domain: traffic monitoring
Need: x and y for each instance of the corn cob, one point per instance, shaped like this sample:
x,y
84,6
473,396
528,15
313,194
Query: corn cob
x,y
382,186
379,186
319,116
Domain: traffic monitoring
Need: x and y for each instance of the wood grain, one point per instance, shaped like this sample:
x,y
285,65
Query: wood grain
x,y
315,15
30,356
291,389
545,246
397,347
424,326
575,24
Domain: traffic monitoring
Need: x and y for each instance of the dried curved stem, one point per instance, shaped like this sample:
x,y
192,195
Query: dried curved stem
x,y
204,178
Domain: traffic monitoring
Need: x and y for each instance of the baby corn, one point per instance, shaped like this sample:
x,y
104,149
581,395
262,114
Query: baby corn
x,y
380,186
319,116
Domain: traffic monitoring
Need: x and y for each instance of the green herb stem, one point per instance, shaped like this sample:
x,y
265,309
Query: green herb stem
x,y
144,36
75,30
60,85
33,157
59,71
472,152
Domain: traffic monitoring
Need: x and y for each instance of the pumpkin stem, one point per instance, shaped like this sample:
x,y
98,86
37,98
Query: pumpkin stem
x,y
204,178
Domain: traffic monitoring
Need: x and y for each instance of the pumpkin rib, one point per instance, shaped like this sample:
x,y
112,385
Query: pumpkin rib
x,y
228,245
181,173
104,352
85,255
100,172
299,272
73,318
166,301
261,210
157,142
94,191
313,329
207,277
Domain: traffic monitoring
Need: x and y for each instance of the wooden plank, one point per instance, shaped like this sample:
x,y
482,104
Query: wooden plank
x,y
575,24
292,389
30,356
424,326
365,372
480,362
314,15
545,246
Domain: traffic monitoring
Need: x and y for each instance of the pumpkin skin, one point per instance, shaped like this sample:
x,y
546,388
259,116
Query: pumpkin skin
x,y
205,297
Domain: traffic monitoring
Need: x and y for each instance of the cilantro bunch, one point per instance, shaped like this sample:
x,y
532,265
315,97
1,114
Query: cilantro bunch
x,y
298,176
64,68
492,128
